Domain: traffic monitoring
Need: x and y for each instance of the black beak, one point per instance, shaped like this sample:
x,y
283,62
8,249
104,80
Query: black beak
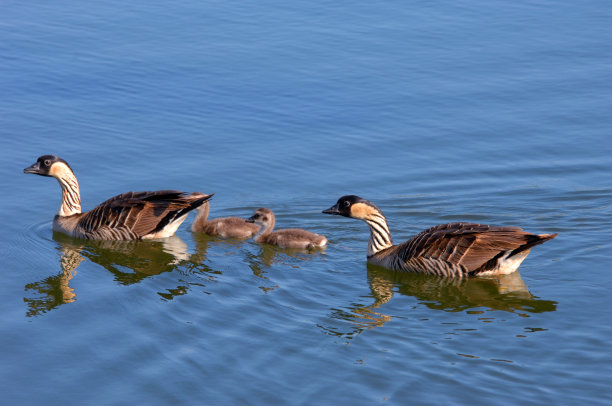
x,y
332,210
33,169
250,219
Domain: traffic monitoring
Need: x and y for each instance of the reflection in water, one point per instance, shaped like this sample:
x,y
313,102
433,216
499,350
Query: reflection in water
x,y
477,295
269,255
498,292
203,242
54,290
129,262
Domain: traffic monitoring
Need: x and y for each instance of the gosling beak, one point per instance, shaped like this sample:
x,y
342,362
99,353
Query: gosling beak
x,y
332,210
35,168
250,219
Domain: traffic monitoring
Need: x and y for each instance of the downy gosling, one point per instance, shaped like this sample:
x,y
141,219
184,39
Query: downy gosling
x,y
128,216
450,250
226,227
287,238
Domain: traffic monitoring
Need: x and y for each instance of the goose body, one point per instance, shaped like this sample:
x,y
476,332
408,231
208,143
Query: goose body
x,y
452,250
128,216
226,227
286,238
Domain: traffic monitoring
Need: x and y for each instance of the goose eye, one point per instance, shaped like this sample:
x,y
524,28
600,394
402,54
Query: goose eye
x,y
347,203
47,162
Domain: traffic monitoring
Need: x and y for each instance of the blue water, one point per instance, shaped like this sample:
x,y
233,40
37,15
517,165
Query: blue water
x,y
483,111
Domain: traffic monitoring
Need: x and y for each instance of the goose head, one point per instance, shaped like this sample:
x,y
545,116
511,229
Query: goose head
x,y
352,206
49,165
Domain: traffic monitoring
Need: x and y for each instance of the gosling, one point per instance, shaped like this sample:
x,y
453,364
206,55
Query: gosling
x,y
128,216
227,227
449,250
287,238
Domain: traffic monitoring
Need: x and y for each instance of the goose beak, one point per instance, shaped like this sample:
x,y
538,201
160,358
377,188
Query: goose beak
x,y
332,210
33,169
250,219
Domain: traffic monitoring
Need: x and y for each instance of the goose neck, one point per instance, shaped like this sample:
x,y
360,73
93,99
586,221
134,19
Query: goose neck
x,y
71,195
380,236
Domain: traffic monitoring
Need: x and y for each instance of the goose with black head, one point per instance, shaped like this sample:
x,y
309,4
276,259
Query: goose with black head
x,y
128,216
450,250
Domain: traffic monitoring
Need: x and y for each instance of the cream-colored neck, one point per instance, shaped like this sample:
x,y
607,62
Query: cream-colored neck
x,y
71,196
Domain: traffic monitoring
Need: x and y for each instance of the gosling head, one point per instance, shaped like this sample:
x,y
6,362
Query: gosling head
x,y
262,216
352,206
48,165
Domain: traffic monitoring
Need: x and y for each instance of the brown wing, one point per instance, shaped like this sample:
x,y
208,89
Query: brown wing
x,y
475,246
139,213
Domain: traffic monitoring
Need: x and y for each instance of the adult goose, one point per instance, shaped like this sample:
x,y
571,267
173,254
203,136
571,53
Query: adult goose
x,y
286,238
451,250
128,216
225,227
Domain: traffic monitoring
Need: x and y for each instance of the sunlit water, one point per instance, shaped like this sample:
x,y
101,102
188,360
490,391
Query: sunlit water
x,y
490,112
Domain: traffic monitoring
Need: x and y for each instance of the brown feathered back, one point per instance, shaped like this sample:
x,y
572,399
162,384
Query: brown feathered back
x,y
475,246
129,216
139,214
454,249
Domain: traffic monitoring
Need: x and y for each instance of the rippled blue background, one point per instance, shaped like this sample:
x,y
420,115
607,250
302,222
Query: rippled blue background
x,y
482,111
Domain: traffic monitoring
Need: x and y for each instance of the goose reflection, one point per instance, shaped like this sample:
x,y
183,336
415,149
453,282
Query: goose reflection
x,y
477,295
129,261
496,292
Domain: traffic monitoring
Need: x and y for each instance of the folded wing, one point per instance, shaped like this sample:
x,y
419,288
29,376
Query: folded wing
x,y
477,247
138,214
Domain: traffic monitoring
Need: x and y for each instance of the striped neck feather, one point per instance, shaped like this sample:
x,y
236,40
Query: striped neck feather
x,y
71,196
380,236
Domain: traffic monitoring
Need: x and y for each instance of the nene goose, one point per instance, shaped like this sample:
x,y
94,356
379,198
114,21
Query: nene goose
x,y
287,238
128,216
226,227
451,250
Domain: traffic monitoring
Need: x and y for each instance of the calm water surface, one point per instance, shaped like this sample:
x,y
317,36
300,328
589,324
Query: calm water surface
x,y
479,111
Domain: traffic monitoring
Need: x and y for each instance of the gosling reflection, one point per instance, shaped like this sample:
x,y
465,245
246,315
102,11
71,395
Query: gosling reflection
x,y
269,255
204,242
497,292
129,262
